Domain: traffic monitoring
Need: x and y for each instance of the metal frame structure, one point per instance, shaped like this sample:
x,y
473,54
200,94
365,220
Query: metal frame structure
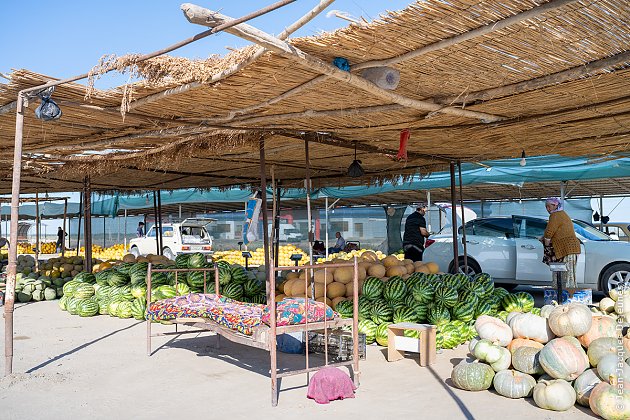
x,y
264,337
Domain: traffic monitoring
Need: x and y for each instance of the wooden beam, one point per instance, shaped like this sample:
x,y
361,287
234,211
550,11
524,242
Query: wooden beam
x,y
235,68
445,43
199,15
467,36
336,141
538,83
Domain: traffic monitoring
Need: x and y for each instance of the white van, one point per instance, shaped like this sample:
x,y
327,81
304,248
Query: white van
x,y
178,238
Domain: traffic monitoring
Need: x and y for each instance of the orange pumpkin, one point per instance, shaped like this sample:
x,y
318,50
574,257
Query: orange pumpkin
x,y
602,326
523,342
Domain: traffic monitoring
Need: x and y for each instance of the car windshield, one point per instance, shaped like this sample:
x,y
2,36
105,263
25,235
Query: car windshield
x,y
586,231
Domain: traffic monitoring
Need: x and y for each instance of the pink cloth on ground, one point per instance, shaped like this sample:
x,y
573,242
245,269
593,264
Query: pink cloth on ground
x,y
330,384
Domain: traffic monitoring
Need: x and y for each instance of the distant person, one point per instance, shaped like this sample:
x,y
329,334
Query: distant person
x,y
339,245
140,230
61,237
415,232
560,242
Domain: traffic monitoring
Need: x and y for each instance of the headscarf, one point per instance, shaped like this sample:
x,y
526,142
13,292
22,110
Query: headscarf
x,y
555,201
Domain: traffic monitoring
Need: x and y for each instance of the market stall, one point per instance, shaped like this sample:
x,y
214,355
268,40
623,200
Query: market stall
x,y
267,117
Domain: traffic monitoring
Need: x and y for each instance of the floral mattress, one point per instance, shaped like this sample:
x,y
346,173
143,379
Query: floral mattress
x,y
238,316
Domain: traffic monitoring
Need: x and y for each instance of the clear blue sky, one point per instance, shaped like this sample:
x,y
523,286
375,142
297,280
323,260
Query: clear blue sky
x,y
67,38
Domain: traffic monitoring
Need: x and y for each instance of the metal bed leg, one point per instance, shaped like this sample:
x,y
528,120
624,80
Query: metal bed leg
x,y
148,337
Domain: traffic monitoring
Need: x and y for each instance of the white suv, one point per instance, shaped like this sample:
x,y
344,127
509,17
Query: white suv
x,y
508,249
178,238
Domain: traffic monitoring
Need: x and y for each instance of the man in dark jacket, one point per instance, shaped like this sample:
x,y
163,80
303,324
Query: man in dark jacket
x,y
415,232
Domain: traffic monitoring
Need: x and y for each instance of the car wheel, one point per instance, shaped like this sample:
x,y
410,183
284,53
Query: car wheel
x,y
614,276
168,254
134,251
473,267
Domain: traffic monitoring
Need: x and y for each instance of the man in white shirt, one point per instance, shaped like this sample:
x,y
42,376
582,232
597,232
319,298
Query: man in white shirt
x,y
339,245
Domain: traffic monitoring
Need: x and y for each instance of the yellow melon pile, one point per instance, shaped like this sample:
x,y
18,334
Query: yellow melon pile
x,y
130,258
44,248
114,252
235,256
350,255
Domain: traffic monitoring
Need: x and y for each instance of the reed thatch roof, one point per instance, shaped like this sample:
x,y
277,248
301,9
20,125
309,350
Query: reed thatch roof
x,y
558,82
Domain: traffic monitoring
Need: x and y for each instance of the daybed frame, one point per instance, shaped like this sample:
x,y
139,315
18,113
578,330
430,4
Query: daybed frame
x,y
264,336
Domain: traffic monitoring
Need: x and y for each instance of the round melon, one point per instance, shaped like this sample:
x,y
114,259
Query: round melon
x,y
319,289
323,276
390,261
288,285
344,274
298,288
377,270
397,270
336,300
325,300
335,290
432,267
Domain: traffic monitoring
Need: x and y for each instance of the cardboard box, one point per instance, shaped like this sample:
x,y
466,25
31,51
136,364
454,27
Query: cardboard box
x,y
584,296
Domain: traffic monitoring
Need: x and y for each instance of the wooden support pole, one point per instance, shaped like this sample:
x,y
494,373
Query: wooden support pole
x,y
307,186
81,194
454,219
9,298
65,232
199,15
159,232
87,205
155,225
461,203
37,244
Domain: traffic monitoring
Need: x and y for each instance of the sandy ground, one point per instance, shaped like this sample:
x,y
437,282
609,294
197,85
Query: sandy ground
x,y
70,367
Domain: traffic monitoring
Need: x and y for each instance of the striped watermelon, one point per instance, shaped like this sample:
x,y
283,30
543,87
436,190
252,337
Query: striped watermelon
x,y
252,287
238,274
525,300
102,277
395,289
500,292
103,292
381,312
396,305
409,301
63,302
84,291
463,312
139,267
536,311
260,298
138,279
451,336
196,260
181,261
413,279
68,288
195,279
118,278
103,306
138,292
233,291
450,280
446,296
124,292
87,307
161,292
159,279
373,288
423,292
468,297
438,315
124,268
138,309
365,307
381,334
124,310
474,287
73,305
368,328
112,307
404,315
345,308
421,310
511,303
85,277
483,308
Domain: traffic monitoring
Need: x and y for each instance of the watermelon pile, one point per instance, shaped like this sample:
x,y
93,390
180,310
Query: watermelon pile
x,y
452,302
122,290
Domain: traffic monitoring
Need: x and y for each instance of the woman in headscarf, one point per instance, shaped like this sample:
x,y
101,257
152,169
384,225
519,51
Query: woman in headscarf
x,y
560,236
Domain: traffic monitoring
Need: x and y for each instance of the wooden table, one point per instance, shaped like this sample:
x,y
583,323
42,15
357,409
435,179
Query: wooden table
x,y
397,343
